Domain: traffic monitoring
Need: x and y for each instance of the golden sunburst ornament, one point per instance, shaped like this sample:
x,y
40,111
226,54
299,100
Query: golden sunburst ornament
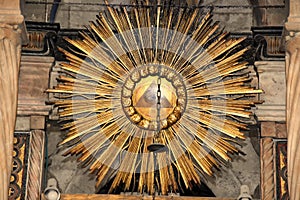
x,y
153,74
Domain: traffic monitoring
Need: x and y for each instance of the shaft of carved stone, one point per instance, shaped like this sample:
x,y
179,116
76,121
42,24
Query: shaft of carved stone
x,y
293,110
9,69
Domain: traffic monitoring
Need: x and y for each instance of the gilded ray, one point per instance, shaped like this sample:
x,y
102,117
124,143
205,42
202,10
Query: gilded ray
x,y
154,74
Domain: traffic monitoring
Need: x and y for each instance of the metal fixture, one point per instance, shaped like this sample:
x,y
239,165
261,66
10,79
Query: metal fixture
x,y
245,193
157,147
51,192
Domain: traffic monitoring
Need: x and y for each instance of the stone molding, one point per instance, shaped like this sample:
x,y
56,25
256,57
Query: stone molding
x,y
271,76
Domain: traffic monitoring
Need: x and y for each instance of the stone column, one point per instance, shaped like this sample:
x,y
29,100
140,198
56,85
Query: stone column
x,y
11,22
293,98
293,109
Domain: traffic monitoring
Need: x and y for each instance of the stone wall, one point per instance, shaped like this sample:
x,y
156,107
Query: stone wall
x,y
235,16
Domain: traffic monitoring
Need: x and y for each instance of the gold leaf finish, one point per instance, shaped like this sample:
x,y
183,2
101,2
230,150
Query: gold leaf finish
x,y
109,97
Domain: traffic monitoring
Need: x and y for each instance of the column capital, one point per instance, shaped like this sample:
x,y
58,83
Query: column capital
x,y
293,26
292,42
12,30
12,20
10,11
293,21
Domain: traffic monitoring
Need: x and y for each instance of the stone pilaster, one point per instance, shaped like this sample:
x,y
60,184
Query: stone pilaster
x,y
293,98
11,23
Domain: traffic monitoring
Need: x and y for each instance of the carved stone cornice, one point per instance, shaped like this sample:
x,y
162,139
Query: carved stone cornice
x,y
268,186
268,43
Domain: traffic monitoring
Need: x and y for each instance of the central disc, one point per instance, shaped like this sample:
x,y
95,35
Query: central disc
x,y
139,96
144,98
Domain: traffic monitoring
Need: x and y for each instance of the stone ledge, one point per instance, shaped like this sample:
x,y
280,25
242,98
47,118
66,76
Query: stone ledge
x,y
45,60
270,113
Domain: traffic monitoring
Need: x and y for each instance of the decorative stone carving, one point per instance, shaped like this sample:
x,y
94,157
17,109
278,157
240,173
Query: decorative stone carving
x,y
35,165
271,75
293,109
10,51
268,43
267,169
